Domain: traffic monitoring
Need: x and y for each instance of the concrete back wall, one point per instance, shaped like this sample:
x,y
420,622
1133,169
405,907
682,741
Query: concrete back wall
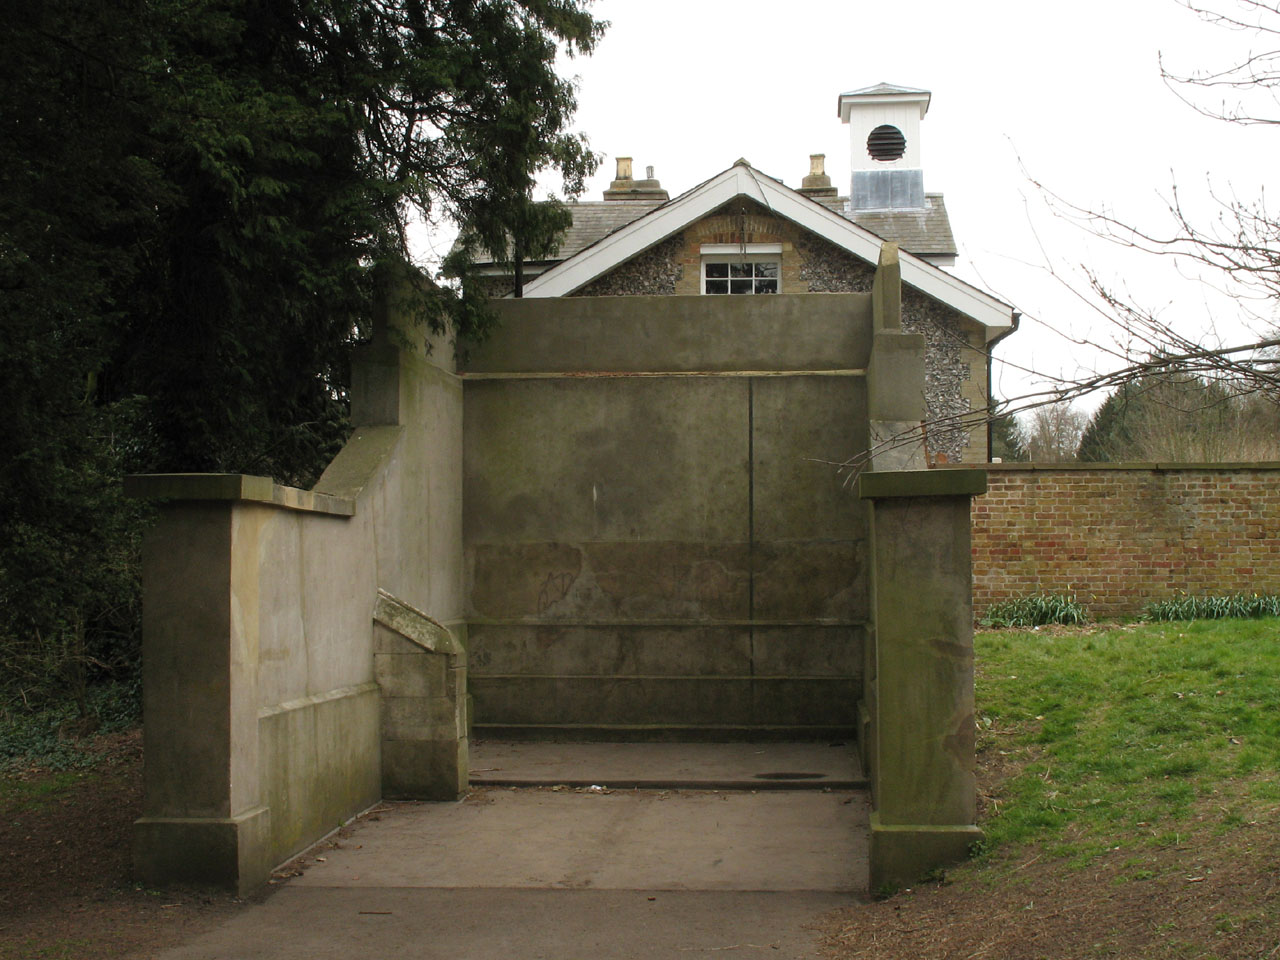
x,y
1122,535
649,539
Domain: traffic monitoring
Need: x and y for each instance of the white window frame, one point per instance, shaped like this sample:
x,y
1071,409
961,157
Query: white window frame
x,y
739,253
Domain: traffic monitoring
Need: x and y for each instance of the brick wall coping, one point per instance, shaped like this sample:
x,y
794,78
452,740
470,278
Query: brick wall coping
x,y
1149,467
888,484
233,486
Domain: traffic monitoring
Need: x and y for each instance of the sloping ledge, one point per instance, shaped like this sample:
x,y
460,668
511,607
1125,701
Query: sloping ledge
x,y
422,672
233,486
414,625
364,454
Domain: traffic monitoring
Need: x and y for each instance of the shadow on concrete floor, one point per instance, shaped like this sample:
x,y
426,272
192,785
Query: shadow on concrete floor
x,y
707,766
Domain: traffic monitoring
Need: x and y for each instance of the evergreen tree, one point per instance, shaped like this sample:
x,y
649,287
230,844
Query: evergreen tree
x,y
198,202
1006,440
1183,419
1106,435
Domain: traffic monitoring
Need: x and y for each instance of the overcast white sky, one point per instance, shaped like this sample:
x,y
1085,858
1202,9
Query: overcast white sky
x,y
1069,91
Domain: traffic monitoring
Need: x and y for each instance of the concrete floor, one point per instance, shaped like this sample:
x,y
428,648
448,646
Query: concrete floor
x,y
539,872
708,766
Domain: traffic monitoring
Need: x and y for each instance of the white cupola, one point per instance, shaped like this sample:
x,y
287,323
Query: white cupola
x,y
884,141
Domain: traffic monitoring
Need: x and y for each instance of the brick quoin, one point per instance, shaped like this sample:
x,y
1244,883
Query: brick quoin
x,y
1120,537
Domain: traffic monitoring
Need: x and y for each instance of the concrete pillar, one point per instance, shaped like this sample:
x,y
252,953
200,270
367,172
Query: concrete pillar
x,y
203,819
918,705
206,817
895,375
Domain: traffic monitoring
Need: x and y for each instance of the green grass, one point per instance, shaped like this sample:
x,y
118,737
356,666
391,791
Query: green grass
x,y
60,949
1126,733
18,795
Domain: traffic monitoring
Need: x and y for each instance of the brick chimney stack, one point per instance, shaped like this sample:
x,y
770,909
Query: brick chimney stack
x,y
817,183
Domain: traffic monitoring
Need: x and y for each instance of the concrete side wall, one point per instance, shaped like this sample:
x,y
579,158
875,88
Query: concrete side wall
x,y
263,712
261,715
919,699
666,548
1121,536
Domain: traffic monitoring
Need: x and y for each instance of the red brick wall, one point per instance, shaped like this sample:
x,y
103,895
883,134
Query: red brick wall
x,y
1120,536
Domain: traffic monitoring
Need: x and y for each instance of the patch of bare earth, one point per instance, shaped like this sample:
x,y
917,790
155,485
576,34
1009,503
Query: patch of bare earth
x,y
65,886
1215,894
1205,901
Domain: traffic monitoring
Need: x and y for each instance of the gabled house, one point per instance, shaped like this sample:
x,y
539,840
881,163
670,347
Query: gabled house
x,y
743,232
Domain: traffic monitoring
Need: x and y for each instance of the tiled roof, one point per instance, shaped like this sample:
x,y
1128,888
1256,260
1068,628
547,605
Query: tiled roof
x,y
591,221
922,232
599,218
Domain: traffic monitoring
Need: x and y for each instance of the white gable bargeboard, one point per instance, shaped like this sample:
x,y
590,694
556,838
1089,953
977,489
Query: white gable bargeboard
x,y
743,180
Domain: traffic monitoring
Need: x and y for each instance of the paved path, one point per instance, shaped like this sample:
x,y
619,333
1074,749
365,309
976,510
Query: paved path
x,y
562,873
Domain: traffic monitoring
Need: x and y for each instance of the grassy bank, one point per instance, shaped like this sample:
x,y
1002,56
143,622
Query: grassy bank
x,y
1129,778
1129,734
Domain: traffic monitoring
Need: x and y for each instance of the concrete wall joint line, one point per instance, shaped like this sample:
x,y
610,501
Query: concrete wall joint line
x,y
201,821
338,693
832,678
623,375
659,624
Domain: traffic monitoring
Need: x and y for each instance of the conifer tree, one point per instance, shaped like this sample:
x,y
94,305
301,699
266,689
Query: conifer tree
x,y
198,199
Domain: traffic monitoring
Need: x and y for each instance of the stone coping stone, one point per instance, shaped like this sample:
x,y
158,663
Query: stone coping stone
x,y
233,486
887,485
414,625
1159,466
366,452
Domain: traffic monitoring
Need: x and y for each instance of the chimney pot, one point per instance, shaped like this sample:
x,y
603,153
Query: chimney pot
x,y
648,173
817,164
624,169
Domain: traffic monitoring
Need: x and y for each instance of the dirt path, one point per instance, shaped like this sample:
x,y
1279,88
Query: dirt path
x,y
65,890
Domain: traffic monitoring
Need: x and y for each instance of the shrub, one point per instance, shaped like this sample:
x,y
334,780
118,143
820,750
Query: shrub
x,y
1238,606
51,735
1036,611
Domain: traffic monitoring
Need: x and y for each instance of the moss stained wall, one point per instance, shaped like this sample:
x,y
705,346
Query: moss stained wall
x,y
651,538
